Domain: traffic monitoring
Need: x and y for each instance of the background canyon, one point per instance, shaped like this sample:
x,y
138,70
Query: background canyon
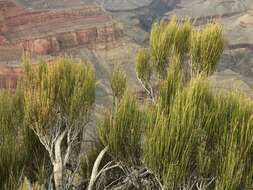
x,y
109,32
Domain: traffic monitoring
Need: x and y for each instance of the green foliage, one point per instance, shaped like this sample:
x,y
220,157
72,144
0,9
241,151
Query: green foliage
x,y
234,145
20,150
206,48
181,39
50,97
198,48
171,85
118,83
37,161
122,130
58,100
205,135
176,143
25,186
143,67
165,39
191,133
169,140
63,88
12,157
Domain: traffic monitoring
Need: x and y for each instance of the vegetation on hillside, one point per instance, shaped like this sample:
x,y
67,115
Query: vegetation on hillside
x,y
182,136
191,136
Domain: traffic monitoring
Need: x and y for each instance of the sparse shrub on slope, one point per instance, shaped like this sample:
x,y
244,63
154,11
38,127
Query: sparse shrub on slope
x,y
118,82
198,137
165,40
206,48
58,100
21,152
194,138
205,138
122,130
233,168
12,156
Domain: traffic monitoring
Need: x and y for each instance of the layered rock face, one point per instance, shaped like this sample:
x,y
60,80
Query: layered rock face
x,y
2,40
52,3
8,8
50,31
96,37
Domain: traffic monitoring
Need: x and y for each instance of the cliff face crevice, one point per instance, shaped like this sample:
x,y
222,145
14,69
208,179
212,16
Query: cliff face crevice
x,y
50,31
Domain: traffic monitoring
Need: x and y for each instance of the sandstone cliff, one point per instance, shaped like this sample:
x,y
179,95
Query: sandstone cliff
x,y
51,31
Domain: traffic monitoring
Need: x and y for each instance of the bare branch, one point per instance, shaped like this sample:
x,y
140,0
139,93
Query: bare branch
x,y
148,88
95,168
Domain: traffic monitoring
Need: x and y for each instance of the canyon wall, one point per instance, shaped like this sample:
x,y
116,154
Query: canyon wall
x,y
50,31
101,37
38,4
2,40
9,8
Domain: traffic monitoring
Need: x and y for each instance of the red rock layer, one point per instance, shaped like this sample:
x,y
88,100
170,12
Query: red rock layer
x,y
102,37
40,17
50,3
9,8
50,31
2,40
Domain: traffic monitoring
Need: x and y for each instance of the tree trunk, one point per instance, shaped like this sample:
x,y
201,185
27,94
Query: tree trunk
x,y
58,178
58,163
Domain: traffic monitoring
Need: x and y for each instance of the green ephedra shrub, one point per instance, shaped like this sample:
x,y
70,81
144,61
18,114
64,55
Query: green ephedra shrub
x,y
122,130
190,136
12,153
58,103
